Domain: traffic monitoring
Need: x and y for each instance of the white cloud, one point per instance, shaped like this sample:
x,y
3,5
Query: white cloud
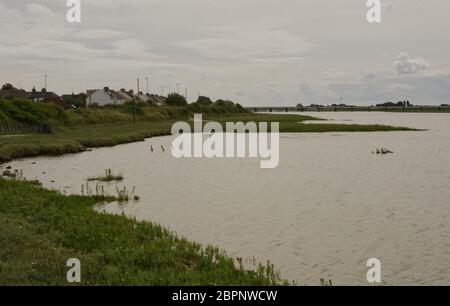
x,y
406,65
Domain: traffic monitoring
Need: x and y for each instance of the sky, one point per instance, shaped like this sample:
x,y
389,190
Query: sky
x,y
255,52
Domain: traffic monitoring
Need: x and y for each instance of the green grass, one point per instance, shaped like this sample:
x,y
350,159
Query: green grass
x,y
42,229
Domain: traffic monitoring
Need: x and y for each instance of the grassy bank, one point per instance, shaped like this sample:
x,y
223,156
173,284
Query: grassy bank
x,y
73,131
41,230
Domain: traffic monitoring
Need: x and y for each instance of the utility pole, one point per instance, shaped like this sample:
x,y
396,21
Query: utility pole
x,y
134,103
45,82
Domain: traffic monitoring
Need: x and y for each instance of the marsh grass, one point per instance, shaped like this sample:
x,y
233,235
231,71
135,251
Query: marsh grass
x,y
325,283
17,175
125,195
42,229
108,177
9,173
98,192
383,151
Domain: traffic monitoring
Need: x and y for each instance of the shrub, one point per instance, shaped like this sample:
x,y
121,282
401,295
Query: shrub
x,y
175,99
202,100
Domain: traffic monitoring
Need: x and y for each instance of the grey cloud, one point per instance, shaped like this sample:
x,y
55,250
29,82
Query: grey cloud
x,y
333,74
243,46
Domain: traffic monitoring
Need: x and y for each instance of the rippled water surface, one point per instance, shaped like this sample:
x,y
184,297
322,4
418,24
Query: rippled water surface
x,y
329,206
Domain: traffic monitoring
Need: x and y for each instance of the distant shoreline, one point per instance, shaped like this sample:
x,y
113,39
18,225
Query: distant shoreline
x,y
395,109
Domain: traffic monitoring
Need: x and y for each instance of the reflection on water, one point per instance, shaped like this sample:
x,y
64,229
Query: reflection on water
x,y
329,207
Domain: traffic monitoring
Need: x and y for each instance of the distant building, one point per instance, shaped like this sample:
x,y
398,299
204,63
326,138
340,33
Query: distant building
x,y
42,96
156,100
151,98
102,97
142,97
128,96
36,96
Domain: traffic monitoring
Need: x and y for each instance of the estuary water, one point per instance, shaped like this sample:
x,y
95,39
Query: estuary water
x,y
329,207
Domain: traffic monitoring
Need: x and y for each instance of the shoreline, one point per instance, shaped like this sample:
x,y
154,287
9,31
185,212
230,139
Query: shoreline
x,y
42,229
77,139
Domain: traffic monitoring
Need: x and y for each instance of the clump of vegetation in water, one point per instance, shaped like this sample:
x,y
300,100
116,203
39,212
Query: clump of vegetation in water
x,y
325,283
18,176
382,151
108,177
41,229
99,193
8,173
124,195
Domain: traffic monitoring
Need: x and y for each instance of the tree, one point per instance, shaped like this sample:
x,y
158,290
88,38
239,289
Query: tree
x,y
175,99
202,100
7,86
78,100
224,103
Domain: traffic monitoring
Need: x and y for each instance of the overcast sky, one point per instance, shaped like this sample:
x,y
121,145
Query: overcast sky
x,y
256,52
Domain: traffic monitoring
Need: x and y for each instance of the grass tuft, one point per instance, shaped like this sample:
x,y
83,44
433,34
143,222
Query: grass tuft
x,y
108,177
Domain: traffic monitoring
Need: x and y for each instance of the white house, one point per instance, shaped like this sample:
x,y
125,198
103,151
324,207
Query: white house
x,y
142,97
102,97
157,100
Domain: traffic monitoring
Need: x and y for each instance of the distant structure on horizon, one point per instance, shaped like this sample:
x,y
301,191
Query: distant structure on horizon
x,y
399,103
99,97
107,96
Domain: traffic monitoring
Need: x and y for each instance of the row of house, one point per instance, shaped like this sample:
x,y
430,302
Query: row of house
x,y
106,96
100,97
36,96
